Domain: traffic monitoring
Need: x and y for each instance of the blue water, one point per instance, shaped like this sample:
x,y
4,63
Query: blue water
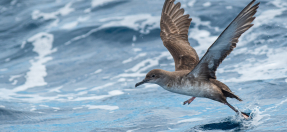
x,y
72,66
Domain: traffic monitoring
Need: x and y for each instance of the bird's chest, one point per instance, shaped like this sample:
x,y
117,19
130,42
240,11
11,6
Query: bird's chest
x,y
195,89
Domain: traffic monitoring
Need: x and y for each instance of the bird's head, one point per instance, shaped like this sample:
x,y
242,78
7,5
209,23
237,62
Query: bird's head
x,y
156,76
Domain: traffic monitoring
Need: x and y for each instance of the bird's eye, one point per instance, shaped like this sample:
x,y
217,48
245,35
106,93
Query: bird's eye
x,y
153,76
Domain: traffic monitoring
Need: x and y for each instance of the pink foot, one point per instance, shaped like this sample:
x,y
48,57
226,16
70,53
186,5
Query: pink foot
x,y
189,101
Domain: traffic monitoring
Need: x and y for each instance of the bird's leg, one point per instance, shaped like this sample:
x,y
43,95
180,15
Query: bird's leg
x,y
243,114
189,101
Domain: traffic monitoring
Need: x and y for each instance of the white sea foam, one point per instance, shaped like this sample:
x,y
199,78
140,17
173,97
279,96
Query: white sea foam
x,y
127,60
259,117
104,86
74,24
33,109
37,14
137,49
96,3
70,25
229,7
53,15
133,130
279,3
43,43
262,19
79,89
76,108
98,71
2,106
122,80
56,108
191,3
83,19
88,10
190,120
80,93
203,37
270,68
14,77
276,105
152,62
137,70
56,89
134,58
130,75
7,93
14,82
4,69
44,105
111,94
207,4
103,107
36,98
137,22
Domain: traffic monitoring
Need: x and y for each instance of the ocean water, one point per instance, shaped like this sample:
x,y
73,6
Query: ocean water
x,y
71,65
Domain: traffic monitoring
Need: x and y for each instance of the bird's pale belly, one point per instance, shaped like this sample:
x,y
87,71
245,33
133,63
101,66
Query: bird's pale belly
x,y
195,90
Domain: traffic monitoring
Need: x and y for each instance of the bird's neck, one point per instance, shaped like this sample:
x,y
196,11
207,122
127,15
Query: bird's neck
x,y
171,78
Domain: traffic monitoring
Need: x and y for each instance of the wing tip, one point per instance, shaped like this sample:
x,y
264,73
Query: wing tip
x,y
175,19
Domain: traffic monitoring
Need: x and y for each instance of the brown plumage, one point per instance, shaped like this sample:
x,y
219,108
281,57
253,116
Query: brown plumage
x,y
191,76
174,34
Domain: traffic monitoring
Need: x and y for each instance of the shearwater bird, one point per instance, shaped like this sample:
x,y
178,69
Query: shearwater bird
x,y
193,77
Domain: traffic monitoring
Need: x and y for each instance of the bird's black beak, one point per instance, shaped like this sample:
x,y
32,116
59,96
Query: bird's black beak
x,y
142,82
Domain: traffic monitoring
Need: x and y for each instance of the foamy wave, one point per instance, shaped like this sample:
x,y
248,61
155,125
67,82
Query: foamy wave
x,y
111,94
263,19
98,71
134,58
96,3
37,14
72,25
207,4
56,89
191,3
270,68
137,70
53,15
101,87
258,115
203,37
140,22
7,94
43,46
103,107
190,120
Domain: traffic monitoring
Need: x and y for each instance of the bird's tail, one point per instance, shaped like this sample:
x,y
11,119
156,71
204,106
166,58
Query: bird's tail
x,y
231,95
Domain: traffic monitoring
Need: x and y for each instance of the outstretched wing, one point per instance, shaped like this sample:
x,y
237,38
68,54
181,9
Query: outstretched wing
x,y
174,34
225,43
